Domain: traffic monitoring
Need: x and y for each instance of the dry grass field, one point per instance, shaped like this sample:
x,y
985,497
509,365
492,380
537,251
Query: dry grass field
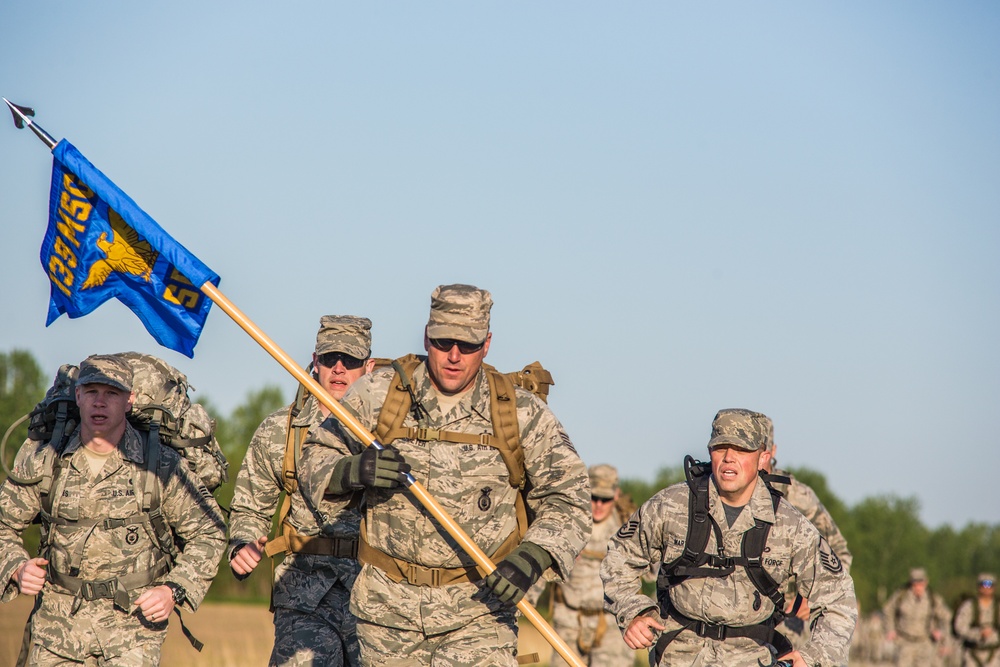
x,y
235,635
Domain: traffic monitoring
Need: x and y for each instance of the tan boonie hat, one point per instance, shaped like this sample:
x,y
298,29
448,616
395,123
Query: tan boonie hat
x,y
986,576
344,333
918,574
105,369
460,312
603,481
740,428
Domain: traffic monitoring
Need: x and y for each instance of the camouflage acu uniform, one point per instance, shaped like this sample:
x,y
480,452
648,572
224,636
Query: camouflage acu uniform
x,y
578,614
657,533
804,499
311,592
969,624
471,484
913,619
68,627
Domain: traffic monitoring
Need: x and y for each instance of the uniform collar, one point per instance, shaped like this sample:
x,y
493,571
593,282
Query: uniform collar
x,y
130,446
760,506
474,401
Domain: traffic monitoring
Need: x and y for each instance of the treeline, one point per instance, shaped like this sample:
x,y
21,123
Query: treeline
x,y
884,533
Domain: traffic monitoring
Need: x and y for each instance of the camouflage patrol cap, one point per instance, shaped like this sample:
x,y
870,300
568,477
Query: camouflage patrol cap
x,y
603,480
460,312
918,574
768,426
344,333
105,369
740,428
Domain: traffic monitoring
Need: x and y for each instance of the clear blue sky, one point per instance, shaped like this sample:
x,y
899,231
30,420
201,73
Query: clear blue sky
x,y
679,207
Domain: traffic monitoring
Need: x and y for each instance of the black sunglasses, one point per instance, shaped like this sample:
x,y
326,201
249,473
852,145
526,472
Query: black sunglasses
x,y
445,345
601,500
330,360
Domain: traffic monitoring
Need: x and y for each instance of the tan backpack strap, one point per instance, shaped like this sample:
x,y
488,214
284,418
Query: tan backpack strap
x,y
397,401
507,436
400,570
292,542
288,474
528,658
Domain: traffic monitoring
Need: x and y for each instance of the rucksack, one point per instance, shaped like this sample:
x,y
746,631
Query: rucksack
x,y
161,408
695,562
533,377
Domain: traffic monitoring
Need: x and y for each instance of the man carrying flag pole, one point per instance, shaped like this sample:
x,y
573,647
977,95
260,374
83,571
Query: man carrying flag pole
x,y
152,271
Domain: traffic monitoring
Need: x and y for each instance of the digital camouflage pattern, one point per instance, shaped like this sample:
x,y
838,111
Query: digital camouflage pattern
x,y
311,592
979,649
578,614
656,534
913,620
740,428
804,499
485,641
344,333
460,312
471,484
105,369
76,628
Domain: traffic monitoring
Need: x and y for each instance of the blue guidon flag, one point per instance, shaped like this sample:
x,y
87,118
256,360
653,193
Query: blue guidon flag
x,y
99,244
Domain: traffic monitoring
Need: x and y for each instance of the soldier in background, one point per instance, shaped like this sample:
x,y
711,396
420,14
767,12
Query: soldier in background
x,y
578,614
713,614
804,499
312,586
917,620
977,625
106,586
419,598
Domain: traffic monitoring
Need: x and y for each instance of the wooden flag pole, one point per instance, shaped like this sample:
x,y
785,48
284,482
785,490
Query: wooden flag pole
x,y
483,561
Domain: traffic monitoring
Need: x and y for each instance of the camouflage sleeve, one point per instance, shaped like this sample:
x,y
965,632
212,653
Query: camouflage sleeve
x,y
259,483
963,623
942,613
889,611
19,504
830,590
197,521
634,550
814,510
558,495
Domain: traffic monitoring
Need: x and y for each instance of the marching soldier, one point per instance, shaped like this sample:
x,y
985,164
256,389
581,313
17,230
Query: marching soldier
x,y
494,456
916,620
977,625
726,544
312,585
107,573
578,614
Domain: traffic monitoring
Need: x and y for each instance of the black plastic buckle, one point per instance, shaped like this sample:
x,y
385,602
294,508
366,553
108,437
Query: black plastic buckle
x,y
97,590
711,631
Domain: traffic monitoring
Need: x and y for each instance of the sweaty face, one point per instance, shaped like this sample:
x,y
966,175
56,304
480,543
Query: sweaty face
x,y
451,371
103,410
336,379
735,473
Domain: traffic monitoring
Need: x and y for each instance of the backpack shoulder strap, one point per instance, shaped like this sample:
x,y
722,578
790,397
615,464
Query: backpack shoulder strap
x,y
754,543
398,402
507,434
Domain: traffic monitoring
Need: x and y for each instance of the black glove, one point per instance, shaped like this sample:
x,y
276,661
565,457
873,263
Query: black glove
x,y
371,469
518,572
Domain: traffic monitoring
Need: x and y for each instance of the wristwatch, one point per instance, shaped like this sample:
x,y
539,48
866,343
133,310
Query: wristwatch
x,y
180,595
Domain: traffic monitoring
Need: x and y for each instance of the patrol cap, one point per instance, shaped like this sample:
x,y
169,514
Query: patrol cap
x,y
344,333
460,312
603,480
918,574
105,369
768,426
740,428
986,577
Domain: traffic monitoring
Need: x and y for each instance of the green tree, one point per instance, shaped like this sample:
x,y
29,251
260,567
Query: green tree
x,y
640,490
22,385
234,434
